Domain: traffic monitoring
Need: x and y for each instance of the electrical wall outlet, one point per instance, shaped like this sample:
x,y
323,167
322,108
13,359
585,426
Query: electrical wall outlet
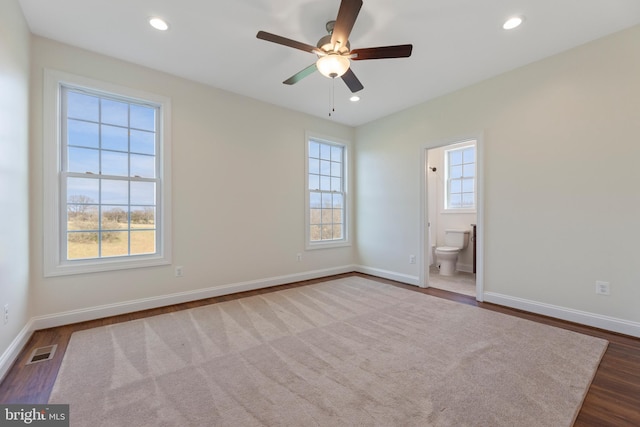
x,y
298,257
6,314
412,259
603,288
179,272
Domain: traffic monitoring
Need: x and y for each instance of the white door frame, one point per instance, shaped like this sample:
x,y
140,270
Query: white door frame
x,y
423,260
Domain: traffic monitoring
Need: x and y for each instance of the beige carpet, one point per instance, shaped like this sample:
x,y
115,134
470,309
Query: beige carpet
x,y
347,352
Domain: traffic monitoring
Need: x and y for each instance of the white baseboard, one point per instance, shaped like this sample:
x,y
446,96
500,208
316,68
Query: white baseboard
x,y
11,353
91,313
386,274
585,318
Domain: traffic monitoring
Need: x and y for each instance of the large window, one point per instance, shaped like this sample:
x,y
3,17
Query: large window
x,y
326,193
110,187
460,172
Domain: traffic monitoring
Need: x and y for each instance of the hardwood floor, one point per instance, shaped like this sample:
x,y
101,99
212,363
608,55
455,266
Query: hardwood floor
x,y
613,398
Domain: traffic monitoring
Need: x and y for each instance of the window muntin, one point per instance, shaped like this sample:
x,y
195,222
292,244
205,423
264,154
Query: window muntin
x,y
460,170
109,174
326,192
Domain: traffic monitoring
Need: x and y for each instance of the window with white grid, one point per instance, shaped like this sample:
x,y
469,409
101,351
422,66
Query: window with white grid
x,y
460,172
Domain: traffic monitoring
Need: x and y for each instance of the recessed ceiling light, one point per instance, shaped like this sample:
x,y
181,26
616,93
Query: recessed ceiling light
x,y
354,98
512,23
159,24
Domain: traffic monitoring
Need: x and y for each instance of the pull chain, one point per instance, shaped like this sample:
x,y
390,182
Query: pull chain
x,y
333,89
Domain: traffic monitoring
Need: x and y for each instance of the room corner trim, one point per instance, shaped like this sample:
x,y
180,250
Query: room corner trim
x,y
13,351
386,274
600,321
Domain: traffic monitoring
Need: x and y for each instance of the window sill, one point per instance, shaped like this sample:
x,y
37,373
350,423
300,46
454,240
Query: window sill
x,y
327,245
93,266
458,211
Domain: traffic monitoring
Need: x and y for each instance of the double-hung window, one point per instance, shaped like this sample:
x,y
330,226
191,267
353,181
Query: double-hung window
x,y
326,199
460,172
110,189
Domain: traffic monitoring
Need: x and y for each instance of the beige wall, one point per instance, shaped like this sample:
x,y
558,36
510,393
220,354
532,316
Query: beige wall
x,y
14,175
561,178
238,189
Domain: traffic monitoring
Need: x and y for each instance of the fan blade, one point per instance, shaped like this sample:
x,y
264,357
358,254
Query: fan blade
x,y
352,81
287,42
347,15
301,75
399,51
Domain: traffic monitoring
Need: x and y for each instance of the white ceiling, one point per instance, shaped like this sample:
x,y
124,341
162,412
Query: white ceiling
x,y
455,43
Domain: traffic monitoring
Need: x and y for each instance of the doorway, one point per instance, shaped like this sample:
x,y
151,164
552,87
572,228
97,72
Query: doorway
x,y
452,199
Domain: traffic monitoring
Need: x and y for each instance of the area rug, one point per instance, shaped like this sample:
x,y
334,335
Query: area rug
x,y
346,352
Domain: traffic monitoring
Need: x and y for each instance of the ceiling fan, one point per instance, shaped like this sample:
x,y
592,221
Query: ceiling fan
x,y
334,50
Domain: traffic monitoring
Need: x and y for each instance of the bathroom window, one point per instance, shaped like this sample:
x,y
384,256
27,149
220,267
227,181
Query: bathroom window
x,y
460,172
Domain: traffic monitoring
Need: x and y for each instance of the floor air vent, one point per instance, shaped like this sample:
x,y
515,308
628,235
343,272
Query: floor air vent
x,y
42,354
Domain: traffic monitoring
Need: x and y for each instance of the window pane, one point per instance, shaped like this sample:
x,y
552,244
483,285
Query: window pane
x,y
455,201
315,200
143,217
115,192
325,167
143,242
143,142
467,185
315,232
82,217
80,106
114,217
82,245
337,216
455,186
83,134
325,152
115,112
115,163
468,155
327,200
336,154
325,183
327,216
314,149
455,172
115,138
82,190
314,166
143,117
314,216
337,231
467,200
83,160
336,184
338,201
469,170
314,182
327,232
336,169
115,243
455,157
143,193
143,166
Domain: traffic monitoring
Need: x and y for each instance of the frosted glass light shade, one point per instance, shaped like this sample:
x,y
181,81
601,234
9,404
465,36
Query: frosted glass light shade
x,y
332,65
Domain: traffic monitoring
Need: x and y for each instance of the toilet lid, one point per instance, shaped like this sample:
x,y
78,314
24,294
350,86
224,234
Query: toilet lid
x,y
447,249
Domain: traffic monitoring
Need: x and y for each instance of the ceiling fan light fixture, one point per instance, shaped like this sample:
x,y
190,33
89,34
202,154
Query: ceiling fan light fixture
x,y
333,65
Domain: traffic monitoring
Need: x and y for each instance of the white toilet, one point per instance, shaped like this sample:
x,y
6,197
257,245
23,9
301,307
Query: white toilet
x,y
447,256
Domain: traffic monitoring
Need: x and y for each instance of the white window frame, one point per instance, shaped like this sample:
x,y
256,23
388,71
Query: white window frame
x,y
346,239
459,147
55,264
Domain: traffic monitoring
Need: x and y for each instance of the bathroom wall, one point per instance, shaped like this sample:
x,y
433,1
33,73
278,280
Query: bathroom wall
x,y
440,220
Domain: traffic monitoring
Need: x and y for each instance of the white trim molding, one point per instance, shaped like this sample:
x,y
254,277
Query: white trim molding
x,y
386,274
11,353
600,321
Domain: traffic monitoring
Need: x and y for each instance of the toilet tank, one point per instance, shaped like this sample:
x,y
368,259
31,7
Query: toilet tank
x,y
457,238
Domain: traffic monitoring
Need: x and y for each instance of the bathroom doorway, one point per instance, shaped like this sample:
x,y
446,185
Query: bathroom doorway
x,y
452,216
